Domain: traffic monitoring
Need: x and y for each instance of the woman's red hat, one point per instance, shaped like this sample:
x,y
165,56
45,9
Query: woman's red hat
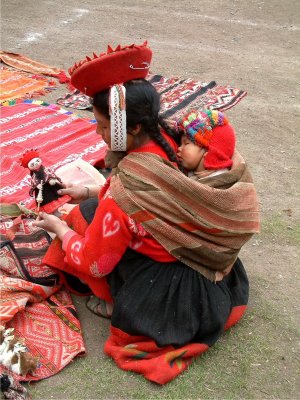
x,y
116,66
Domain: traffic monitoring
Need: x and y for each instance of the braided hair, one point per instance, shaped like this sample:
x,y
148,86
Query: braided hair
x,y
142,107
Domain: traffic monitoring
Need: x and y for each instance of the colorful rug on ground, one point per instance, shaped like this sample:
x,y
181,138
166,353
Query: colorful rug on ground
x,y
23,63
177,96
21,85
33,303
59,136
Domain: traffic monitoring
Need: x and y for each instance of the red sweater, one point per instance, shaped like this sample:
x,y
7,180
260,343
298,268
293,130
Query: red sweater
x,y
109,235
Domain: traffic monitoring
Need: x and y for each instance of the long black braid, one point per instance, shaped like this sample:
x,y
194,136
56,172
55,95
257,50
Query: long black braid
x,y
142,107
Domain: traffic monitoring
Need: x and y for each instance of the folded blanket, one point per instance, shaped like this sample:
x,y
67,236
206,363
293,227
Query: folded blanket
x,y
24,63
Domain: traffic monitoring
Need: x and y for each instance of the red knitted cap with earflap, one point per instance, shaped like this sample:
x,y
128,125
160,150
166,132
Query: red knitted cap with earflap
x,y
221,148
210,129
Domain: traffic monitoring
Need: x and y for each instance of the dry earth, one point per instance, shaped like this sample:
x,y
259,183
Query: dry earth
x,y
252,45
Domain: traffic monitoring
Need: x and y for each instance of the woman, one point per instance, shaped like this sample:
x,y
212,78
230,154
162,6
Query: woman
x,y
147,244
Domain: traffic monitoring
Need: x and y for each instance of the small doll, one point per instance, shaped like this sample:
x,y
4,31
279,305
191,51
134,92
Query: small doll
x,y
44,183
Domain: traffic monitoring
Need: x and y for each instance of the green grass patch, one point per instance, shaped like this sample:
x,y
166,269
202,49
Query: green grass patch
x,y
281,226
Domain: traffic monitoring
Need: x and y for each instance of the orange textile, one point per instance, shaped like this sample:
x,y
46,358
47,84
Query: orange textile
x,y
18,85
26,64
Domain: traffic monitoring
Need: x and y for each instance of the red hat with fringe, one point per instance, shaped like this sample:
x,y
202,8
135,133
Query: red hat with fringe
x,y
116,66
28,156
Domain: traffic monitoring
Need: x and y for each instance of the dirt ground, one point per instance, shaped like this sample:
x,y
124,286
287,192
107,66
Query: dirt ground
x,y
252,45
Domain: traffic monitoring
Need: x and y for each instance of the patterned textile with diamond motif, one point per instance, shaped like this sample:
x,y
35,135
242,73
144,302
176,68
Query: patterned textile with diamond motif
x,y
33,301
177,95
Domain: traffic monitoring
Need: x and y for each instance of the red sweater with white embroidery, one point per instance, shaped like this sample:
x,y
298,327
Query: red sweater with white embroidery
x,y
109,235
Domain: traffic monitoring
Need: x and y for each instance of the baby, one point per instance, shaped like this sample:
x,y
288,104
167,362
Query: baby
x,y
207,143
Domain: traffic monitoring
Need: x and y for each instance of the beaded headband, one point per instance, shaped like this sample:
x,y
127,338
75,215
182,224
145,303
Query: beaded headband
x,y
117,111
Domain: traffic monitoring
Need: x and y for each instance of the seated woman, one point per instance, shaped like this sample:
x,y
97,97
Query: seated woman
x,y
156,244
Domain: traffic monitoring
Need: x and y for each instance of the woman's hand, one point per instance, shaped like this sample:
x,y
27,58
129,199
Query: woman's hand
x,y
51,223
77,192
80,193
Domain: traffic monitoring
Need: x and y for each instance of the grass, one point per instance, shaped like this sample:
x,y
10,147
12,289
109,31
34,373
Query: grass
x,y
282,227
254,360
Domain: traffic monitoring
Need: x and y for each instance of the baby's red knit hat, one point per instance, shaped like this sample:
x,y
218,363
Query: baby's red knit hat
x,y
210,129
221,148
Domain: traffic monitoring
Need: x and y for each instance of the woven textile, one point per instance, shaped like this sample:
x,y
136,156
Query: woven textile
x,y
206,234
34,303
59,136
177,96
24,63
20,85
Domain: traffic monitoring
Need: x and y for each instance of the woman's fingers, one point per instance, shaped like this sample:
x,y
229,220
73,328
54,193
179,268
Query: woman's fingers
x,y
61,192
78,193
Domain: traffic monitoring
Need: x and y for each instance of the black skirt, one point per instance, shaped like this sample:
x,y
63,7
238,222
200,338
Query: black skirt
x,y
171,303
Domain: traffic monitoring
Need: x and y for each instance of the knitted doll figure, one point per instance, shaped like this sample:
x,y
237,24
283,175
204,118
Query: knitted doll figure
x,y
208,141
44,183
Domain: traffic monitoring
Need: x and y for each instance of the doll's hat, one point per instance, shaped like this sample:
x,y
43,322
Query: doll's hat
x,y
210,129
28,156
116,66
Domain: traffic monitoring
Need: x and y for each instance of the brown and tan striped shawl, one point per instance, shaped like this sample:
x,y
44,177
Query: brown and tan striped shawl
x,y
202,222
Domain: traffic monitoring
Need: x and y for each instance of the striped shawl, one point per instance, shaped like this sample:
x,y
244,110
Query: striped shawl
x,y
202,221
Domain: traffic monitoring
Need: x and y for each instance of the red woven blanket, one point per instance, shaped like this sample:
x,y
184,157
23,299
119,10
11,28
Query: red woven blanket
x,y
59,135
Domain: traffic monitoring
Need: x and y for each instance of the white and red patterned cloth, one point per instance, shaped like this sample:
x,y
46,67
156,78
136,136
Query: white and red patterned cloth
x,y
59,135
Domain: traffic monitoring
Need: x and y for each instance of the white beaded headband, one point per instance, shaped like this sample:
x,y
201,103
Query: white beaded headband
x,y
117,111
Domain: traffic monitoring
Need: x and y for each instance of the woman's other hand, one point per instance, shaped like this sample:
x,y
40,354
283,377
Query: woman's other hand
x,y
51,223
77,192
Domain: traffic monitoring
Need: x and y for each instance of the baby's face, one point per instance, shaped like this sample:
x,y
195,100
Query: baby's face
x,y
190,154
34,164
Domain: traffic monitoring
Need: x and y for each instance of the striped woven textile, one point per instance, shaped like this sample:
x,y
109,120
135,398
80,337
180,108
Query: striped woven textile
x,y
23,63
204,224
59,135
21,85
178,95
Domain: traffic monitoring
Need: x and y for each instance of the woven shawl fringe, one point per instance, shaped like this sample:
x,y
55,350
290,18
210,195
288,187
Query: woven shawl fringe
x,y
202,226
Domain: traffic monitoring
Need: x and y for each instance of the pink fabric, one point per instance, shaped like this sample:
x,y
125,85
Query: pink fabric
x,y
59,136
